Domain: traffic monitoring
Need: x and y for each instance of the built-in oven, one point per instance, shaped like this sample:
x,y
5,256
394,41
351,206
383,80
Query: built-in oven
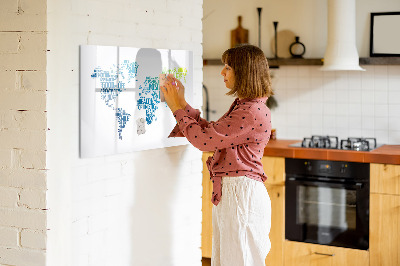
x,y
327,202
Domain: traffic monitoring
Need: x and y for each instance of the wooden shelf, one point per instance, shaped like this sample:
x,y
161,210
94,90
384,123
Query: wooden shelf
x,y
380,61
274,63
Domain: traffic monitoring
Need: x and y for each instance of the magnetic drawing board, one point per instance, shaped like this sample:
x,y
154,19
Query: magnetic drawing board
x,y
120,106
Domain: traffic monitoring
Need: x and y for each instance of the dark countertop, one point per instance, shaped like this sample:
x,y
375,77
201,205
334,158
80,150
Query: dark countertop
x,y
389,154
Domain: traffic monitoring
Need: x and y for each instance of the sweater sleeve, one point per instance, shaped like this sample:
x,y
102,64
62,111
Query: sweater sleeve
x,y
231,130
193,113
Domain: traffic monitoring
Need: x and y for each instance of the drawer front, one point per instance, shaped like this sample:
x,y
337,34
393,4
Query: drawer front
x,y
297,253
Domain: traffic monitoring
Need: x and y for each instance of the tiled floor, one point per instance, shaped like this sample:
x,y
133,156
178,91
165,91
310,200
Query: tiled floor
x,y
206,261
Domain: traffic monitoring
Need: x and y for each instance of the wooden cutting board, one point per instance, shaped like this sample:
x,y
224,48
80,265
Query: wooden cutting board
x,y
239,35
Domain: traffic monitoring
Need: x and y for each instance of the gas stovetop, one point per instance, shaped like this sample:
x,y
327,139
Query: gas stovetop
x,y
332,142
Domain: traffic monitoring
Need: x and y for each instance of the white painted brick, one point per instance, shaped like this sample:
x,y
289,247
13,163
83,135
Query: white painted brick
x,y
35,120
33,159
8,197
23,100
22,139
9,42
17,256
5,159
33,239
31,80
22,218
8,237
7,79
34,7
33,199
98,222
23,178
31,56
22,22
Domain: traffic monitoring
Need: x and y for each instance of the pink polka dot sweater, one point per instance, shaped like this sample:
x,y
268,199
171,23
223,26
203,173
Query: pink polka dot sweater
x,y
238,139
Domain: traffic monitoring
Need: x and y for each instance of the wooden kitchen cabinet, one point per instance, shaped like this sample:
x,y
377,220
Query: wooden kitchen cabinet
x,y
274,168
206,225
277,233
305,254
385,178
385,215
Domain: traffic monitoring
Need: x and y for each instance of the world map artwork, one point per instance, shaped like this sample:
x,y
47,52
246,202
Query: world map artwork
x,y
121,106
113,82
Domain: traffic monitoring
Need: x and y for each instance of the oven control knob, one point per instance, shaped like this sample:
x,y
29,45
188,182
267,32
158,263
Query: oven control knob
x,y
343,168
308,166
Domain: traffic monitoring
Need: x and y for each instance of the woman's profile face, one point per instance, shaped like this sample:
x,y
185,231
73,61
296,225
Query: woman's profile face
x,y
229,76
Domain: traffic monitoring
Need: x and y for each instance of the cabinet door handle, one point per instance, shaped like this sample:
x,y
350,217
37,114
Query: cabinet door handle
x,y
324,254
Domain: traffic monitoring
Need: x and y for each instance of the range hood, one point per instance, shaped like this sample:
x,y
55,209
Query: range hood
x,y
341,51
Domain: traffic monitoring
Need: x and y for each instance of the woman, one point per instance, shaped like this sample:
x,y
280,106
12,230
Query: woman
x,y
242,208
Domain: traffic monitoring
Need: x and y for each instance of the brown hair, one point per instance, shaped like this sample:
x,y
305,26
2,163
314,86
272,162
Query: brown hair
x,y
250,66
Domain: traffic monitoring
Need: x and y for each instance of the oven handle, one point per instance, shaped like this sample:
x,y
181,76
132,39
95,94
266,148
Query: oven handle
x,y
357,185
324,254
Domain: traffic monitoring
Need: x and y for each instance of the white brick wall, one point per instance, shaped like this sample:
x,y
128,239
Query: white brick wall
x,y
23,132
140,208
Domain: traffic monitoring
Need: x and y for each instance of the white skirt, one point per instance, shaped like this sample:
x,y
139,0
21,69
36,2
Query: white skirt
x,y
241,223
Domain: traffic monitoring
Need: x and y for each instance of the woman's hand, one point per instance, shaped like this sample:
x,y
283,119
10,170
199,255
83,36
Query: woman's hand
x,y
173,94
181,91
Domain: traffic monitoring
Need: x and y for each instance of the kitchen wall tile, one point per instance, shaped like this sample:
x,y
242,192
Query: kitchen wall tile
x,y
355,109
367,82
394,97
328,74
342,80
382,110
380,84
381,136
367,133
329,122
354,122
329,93
317,131
394,137
317,120
381,97
355,132
368,122
394,123
394,82
317,95
367,110
394,110
316,82
329,109
354,80
326,100
342,96
304,72
342,122
380,71
367,96
303,82
304,109
393,71
292,83
342,133
381,123
316,72
355,96
291,71
342,109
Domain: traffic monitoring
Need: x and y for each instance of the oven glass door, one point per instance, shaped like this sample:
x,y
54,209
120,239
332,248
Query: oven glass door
x,y
326,213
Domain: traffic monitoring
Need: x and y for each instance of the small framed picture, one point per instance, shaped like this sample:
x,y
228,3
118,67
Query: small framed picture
x,y
385,34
